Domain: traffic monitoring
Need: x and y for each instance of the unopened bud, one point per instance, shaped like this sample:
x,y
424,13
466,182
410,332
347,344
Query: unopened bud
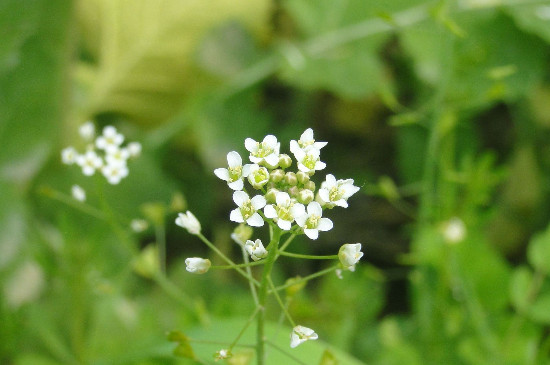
x,y
305,196
271,195
302,177
285,161
276,175
293,191
242,233
290,178
310,185
294,286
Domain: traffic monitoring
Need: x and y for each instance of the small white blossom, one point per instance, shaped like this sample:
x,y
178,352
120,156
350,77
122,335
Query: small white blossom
x,y
306,140
69,155
78,193
87,131
301,334
312,221
189,222
258,177
197,265
110,140
222,354
349,255
454,230
284,212
117,156
336,192
308,160
114,172
139,225
89,162
134,148
235,173
247,209
255,249
266,151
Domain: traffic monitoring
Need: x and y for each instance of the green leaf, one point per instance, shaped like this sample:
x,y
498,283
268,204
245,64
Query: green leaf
x,y
540,310
538,251
519,288
143,51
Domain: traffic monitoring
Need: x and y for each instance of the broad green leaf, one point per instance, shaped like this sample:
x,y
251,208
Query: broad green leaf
x,y
520,286
538,251
142,51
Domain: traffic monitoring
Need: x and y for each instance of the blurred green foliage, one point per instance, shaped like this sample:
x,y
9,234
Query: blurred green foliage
x,y
437,109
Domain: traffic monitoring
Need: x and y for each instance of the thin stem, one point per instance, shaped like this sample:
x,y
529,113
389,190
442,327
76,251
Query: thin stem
x,y
227,259
160,237
305,279
272,248
65,199
249,264
283,306
285,353
288,242
221,343
249,272
250,320
309,257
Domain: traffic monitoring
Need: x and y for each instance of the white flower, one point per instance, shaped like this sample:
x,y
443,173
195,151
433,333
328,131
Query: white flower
x,y
222,354
117,156
258,177
349,255
255,249
114,172
110,140
336,192
139,225
454,230
69,155
87,131
246,211
134,148
189,222
235,173
308,160
89,162
78,193
196,265
267,151
301,334
284,212
306,140
312,222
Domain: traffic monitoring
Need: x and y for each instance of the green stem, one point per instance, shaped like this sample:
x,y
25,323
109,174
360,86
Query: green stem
x,y
246,259
65,199
248,264
306,278
250,320
298,361
272,249
309,257
227,259
287,242
160,237
283,306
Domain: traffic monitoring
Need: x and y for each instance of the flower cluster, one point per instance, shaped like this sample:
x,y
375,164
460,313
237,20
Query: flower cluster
x,y
104,153
290,199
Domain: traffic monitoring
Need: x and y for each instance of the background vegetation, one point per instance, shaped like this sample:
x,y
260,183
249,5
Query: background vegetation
x,y
437,109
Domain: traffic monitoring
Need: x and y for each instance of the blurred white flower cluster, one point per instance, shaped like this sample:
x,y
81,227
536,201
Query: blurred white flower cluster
x,y
104,153
289,198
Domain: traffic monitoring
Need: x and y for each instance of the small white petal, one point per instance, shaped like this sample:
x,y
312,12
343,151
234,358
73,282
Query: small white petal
x,y
299,154
307,135
255,221
301,219
236,216
222,173
282,199
298,210
240,197
258,202
236,185
341,203
294,146
272,159
325,224
234,159
303,168
330,181
319,165
284,225
323,194
270,212
255,159
349,190
319,145
251,145
270,140
314,208
312,233
247,169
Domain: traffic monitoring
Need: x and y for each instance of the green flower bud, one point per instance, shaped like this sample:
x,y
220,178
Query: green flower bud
x,y
310,185
305,196
293,191
290,178
271,195
242,233
285,161
295,285
276,175
302,177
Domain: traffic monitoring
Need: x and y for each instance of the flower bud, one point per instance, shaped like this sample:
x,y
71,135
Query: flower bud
x,y
290,178
285,161
310,185
302,177
305,196
196,265
242,233
189,222
276,175
259,176
293,191
256,249
271,195
294,285
349,255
